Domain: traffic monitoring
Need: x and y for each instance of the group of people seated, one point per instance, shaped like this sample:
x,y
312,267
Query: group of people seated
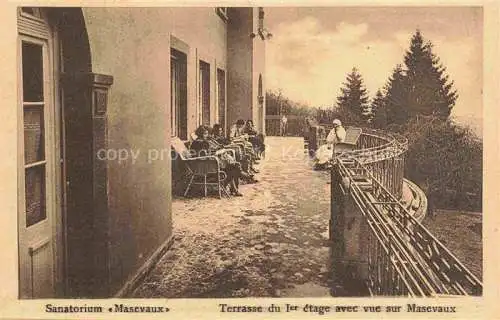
x,y
247,145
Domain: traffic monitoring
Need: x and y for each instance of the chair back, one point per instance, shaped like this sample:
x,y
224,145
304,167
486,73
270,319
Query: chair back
x,y
180,148
352,135
351,140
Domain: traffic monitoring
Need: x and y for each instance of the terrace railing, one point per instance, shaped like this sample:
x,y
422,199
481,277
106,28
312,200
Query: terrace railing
x,y
400,255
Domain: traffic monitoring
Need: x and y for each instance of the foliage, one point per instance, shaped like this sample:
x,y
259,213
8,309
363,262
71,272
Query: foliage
x,y
274,102
277,103
352,103
446,160
326,115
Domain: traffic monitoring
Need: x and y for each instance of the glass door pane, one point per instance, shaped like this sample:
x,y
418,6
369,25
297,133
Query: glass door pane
x,y
34,144
34,132
32,72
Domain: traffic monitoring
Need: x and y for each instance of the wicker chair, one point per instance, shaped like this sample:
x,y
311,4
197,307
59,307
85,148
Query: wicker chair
x,y
205,171
245,146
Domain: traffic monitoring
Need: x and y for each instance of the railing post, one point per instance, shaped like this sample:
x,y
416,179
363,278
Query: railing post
x,y
348,236
337,212
336,228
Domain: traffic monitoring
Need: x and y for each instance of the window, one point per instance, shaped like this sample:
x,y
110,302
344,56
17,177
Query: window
x,y
221,95
204,87
178,87
222,12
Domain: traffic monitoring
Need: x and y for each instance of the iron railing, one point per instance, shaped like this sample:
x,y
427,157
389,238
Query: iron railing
x,y
404,258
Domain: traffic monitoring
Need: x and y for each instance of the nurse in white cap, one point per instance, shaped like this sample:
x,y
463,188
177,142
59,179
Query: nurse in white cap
x,y
325,153
337,134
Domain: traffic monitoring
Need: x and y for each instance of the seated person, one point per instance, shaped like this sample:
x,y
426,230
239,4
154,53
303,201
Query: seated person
x,y
337,134
201,146
325,153
237,135
214,147
236,131
218,140
218,135
249,128
255,138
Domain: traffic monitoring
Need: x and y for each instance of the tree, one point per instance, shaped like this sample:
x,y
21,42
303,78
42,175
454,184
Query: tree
x,y
352,103
429,89
379,110
272,103
277,103
395,100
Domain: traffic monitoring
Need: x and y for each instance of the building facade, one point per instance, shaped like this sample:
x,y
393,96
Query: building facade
x,y
101,93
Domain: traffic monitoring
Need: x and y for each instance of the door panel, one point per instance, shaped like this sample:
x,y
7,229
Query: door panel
x,y
42,280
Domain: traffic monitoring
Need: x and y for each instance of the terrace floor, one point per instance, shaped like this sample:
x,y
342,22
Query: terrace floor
x,y
271,242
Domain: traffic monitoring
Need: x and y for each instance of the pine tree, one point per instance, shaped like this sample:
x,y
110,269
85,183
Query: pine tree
x,y
379,110
352,103
429,89
395,100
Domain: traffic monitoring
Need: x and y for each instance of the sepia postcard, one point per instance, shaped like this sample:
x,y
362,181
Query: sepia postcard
x,y
204,160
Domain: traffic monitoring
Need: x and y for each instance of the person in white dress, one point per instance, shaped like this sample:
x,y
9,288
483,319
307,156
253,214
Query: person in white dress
x,y
325,153
337,134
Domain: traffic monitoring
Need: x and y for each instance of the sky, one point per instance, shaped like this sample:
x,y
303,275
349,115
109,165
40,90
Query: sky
x,y
313,49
